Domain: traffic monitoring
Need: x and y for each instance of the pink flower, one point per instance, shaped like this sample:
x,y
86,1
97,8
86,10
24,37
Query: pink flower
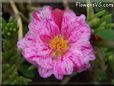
x,y
57,42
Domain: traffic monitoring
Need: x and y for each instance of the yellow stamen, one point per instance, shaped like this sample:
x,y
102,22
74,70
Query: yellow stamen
x,y
58,45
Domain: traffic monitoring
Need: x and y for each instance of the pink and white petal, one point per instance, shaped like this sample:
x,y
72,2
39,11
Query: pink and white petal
x,y
75,27
44,62
27,41
68,22
29,52
45,38
45,72
81,19
33,48
57,16
83,29
77,58
68,17
80,34
58,71
46,25
27,45
67,65
30,59
54,29
82,68
74,55
42,13
32,40
87,51
21,43
39,16
59,76
39,28
63,67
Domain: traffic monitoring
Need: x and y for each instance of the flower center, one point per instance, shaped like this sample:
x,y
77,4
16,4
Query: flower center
x,y
58,45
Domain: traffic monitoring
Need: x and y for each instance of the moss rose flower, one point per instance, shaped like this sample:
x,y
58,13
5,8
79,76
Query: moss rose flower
x,y
57,42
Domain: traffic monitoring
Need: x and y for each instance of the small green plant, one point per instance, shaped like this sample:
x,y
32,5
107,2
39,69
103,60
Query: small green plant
x,y
101,26
15,69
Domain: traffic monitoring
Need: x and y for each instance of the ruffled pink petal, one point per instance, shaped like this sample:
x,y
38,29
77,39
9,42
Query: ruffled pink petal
x,y
21,43
45,38
80,34
67,65
68,17
59,76
46,62
58,15
82,68
32,47
67,22
85,48
63,67
44,72
81,19
87,51
58,71
46,25
27,45
74,27
78,59
42,13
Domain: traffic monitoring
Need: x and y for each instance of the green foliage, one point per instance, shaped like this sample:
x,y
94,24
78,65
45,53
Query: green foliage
x,y
106,34
90,11
100,21
101,25
14,66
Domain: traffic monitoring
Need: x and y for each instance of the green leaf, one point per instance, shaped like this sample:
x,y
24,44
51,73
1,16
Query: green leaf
x,y
27,73
109,25
100,75
90,11
99,14
106,34
31,67
102,24
3,23
94,22
111,61
106,18
5,67
11,56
